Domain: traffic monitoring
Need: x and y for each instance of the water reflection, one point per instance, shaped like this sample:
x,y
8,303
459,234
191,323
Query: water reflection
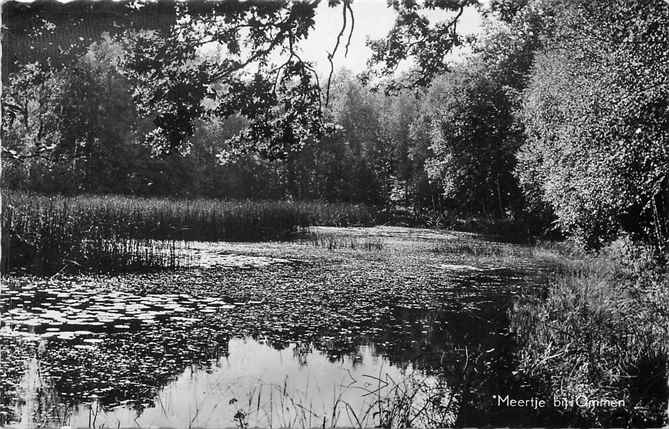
x,y
266,387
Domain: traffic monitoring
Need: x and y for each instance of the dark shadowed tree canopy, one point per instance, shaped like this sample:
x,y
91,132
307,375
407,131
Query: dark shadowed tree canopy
x,y
48,30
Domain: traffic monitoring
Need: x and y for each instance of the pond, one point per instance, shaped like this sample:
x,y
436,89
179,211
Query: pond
x,y
324,331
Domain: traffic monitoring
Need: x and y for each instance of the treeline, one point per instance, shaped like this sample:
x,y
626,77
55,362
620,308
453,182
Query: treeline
x,y
561,113
557,118
75,130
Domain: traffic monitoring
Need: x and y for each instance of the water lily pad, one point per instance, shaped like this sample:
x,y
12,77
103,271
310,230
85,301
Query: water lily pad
x,y
121,327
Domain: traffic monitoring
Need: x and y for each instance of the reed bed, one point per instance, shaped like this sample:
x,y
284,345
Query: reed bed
x,y
336,242
45,234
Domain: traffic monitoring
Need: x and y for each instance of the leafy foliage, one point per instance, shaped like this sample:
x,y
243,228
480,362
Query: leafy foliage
x,y
595,112
413,37
473,142
70,128
175,83
30,115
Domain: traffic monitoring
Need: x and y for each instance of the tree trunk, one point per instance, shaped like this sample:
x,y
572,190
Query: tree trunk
x,y
499,197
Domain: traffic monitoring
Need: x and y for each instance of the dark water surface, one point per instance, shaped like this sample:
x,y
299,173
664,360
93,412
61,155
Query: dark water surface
x,y
345,338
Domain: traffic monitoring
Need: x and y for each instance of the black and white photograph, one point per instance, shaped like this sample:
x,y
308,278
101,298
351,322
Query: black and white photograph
x,y
296,214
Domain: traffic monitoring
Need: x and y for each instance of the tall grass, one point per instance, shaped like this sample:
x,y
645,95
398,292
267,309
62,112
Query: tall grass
x,y
107,233
414,400
602,332
341,241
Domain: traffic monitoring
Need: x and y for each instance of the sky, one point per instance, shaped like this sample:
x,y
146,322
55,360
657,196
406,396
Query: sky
x,y
373,19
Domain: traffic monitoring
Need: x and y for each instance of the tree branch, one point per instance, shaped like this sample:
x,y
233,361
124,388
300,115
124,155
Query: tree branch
x,y
336,47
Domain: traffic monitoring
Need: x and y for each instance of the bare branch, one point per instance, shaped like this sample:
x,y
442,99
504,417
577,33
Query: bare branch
x,y
345,9
350,33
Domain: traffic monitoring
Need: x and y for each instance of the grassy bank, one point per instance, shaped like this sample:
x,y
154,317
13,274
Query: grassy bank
x,y
601,333
106,233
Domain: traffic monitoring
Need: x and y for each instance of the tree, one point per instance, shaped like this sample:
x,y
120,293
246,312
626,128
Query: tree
x,y
177,85
595,114
473,141
154,99
30,112
356,112
258,72
73,127
414,37
55,34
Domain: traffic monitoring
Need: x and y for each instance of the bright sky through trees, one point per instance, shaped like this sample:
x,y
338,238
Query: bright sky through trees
x,y
373,19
